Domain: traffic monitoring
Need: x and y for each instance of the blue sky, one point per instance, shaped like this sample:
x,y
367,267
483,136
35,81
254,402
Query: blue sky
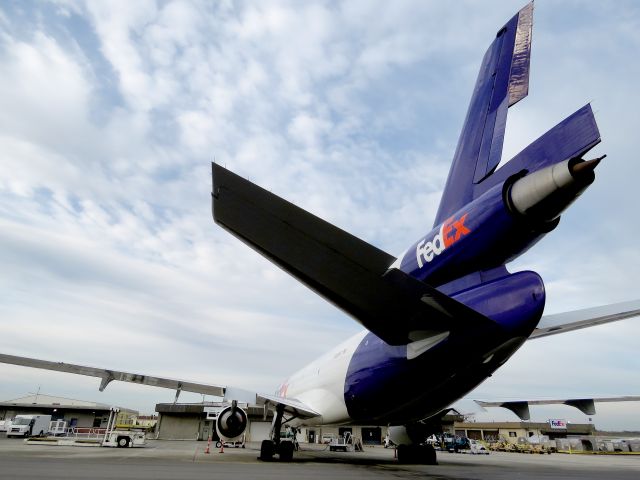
x,y
111,112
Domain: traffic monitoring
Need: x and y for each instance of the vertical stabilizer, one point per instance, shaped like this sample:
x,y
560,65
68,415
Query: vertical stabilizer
x,y
503,80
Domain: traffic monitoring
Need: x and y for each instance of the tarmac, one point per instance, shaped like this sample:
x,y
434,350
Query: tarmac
x,y
187,460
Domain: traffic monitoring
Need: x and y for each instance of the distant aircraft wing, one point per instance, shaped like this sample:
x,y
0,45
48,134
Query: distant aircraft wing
x,y
108,376
292,407
589,317
348,272
585,405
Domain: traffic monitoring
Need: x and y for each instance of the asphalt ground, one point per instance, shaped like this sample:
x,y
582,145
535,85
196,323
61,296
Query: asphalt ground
x,y
187,460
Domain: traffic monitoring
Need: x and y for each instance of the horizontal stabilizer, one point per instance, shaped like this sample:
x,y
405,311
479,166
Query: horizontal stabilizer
x,y
589,317
340,267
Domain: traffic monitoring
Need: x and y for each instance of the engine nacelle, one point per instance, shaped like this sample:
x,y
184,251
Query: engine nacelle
x,y
231,422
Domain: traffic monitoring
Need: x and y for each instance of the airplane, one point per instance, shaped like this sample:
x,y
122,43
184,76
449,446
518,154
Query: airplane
x,y
450,291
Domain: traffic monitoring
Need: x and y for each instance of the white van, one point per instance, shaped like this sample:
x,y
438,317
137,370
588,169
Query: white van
x,y
29,426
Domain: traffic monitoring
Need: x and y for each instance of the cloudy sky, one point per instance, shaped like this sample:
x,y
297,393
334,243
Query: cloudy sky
x,y
111,112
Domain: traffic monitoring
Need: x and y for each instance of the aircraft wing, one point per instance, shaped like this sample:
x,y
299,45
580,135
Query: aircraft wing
x,y
291,406
589,317
348,272
108,376
585,405
567,322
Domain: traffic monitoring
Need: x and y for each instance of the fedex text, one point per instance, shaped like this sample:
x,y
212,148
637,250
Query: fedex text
x,y
450,232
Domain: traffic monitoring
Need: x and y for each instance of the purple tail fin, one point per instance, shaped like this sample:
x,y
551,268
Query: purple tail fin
x,y
503,81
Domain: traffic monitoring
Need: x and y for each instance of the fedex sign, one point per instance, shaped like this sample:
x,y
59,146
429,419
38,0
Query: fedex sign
x,y
450,232
559,424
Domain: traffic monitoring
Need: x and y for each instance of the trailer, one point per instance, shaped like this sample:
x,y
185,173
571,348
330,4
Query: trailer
x,y
121,438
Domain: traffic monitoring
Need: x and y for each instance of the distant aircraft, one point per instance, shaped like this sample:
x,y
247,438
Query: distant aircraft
x,y
449,292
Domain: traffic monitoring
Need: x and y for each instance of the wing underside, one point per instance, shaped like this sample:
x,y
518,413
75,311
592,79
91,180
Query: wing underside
x,y
585,405
568,322
345,270
291,406
589,317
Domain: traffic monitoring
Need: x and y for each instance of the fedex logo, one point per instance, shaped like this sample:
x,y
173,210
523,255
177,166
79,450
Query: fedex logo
x,y
450,232
558,424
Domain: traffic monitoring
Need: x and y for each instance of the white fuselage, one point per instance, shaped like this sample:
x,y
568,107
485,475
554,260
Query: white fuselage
x,y
320,385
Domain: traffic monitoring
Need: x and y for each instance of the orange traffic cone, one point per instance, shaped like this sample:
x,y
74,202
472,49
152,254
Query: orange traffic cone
x,y
221,447
206,450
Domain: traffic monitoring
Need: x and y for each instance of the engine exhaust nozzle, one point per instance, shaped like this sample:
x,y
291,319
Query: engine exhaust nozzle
x,y
543,195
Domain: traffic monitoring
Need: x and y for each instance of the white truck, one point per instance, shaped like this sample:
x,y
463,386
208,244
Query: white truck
x,y
29,426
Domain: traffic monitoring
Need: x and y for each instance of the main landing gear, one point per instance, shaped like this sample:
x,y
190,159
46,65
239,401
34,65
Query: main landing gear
x,y
417,454
283,447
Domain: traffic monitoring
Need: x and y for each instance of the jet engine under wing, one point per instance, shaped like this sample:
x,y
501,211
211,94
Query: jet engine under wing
x,y
589,317
109,375
340,267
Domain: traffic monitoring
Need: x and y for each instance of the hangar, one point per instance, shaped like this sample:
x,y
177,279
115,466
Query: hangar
x,y
196,421
77,413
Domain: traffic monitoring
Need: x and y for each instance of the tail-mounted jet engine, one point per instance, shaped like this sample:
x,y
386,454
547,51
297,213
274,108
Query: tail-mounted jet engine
x,y
546,193
499,225
231,422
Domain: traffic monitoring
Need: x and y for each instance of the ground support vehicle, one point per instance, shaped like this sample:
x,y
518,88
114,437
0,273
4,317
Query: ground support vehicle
x,y
5,425
118,437
29,426
342,444
237,444
477,448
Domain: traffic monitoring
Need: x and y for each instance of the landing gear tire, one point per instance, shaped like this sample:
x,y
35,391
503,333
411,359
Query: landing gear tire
x,y
286,451
267,450
218,444
417,454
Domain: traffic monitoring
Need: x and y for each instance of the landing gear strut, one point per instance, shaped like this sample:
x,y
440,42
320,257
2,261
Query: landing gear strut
x,y
269,448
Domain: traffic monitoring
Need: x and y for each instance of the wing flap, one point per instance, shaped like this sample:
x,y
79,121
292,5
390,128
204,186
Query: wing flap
x,y
340,267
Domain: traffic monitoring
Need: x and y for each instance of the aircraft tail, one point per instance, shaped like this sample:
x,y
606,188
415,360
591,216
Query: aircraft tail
x,y
503,81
